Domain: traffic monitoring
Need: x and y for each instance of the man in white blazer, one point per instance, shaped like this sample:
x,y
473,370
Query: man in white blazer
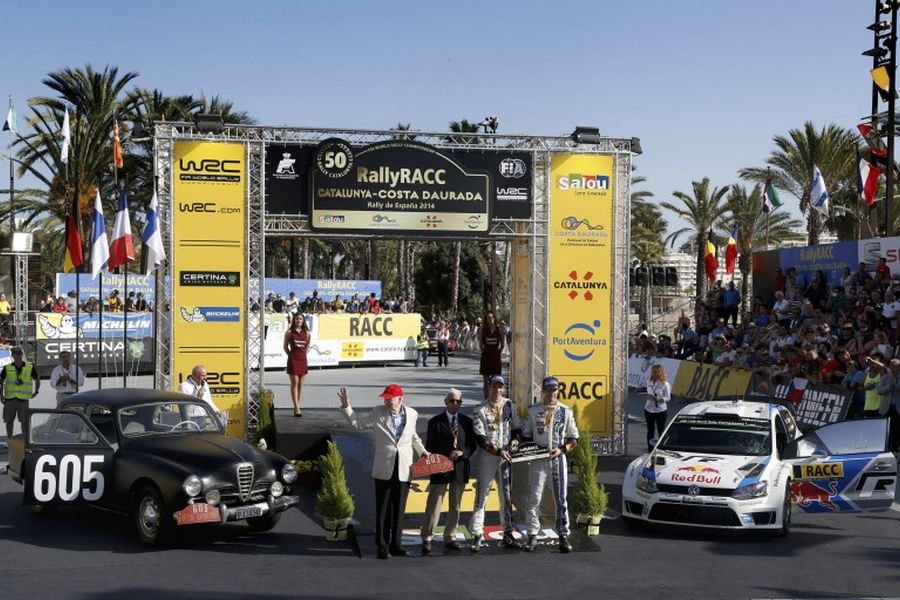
x,y
394,437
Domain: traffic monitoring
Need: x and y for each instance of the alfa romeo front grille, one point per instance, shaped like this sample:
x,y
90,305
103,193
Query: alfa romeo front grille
x,y
245,480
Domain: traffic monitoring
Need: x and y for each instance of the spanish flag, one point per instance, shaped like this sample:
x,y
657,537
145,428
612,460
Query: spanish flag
x,y
731,252
117,146
74,253
710,261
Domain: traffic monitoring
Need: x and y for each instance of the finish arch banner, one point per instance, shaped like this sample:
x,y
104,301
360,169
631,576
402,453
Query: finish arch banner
x,y
208,263
580,303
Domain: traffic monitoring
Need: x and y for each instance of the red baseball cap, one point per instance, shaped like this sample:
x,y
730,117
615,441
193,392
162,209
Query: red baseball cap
x,y
391,391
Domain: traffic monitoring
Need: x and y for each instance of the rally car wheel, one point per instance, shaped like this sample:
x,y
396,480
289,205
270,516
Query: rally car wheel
x,y
786,513
149,514
263,523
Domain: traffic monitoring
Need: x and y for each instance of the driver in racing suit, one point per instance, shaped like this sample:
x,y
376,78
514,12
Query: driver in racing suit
x,y
552,425
497,428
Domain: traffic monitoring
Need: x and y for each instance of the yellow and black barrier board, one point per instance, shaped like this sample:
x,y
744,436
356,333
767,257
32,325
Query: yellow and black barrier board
x,y
819,470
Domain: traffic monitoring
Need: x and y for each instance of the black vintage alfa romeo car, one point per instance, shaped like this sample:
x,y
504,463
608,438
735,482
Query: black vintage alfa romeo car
x,y
161,457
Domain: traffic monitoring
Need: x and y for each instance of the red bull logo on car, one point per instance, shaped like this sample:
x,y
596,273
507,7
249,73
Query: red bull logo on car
x,y
807,493
697,474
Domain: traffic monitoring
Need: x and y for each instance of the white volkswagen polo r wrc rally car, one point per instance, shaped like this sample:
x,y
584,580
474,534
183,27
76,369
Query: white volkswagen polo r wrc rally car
x,y
744,465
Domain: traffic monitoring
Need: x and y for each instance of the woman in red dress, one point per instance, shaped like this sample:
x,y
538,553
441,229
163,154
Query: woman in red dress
x,y
296,345
490,341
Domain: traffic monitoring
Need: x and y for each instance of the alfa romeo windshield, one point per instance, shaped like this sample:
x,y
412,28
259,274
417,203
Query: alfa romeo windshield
x,y
718,435
167,418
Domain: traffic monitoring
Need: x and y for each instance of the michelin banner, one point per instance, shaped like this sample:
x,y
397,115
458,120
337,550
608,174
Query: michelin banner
x,y
55,326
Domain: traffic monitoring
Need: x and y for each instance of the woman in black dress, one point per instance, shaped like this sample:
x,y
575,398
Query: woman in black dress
x,y
490,342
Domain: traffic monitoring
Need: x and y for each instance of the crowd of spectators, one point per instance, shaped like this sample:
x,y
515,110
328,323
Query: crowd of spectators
x,y
114,303
842,333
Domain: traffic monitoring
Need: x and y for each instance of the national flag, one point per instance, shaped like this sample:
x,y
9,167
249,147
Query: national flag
x,y
121,250
770,198
864,129
879,157
819,195
66,137
117,145
731,252
152,237
74,254
866,179
796,390
710,262
100,246
10,123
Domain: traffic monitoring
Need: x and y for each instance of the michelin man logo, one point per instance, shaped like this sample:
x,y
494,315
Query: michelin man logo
x,y
286,165
65,329
194,316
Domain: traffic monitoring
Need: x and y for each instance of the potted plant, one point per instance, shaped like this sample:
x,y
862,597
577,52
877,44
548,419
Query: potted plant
x,y
334,501
265,426
589,498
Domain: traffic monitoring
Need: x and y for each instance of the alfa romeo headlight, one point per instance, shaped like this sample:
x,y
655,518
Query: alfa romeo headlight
x,y
192,486
753,490
645,483
276,489
213,497
288,473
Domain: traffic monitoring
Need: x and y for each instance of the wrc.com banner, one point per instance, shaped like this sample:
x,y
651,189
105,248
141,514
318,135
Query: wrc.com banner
x,y
581,262
209,288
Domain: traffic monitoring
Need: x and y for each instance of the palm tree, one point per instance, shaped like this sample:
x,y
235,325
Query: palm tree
x,y
92,98
832,149
464,127
647,225
702,211
223,108
755,229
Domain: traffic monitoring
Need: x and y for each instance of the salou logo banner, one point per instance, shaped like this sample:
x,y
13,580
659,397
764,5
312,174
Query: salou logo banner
x,y
580,306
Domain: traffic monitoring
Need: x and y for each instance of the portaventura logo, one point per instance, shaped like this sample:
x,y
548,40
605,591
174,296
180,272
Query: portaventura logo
x,y
573,336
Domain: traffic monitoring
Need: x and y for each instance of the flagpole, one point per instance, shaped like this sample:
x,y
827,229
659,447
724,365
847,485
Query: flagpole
x,y
101,365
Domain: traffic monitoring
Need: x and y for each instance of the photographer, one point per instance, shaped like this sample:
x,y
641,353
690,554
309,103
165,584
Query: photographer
x,y
656,407
870,385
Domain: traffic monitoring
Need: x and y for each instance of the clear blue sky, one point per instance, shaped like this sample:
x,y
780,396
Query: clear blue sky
x,y
704,84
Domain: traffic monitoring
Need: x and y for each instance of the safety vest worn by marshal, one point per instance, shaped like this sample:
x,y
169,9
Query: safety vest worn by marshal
x,y
421,343
17,385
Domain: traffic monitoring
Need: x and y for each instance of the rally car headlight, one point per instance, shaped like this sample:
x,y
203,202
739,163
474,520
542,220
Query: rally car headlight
x,y
192,486
753,490
646,484
289,473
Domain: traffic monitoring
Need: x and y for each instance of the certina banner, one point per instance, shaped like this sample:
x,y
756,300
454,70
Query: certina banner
x,y
581,263
450,188
209,239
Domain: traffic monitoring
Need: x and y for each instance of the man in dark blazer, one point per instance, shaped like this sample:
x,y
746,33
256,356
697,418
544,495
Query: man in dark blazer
x,y
394,437
451,434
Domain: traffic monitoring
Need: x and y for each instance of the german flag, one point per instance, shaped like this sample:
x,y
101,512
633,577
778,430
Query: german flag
x,y
74,253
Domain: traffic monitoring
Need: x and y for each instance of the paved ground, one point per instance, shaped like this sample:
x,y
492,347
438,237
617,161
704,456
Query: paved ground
x,y
88,554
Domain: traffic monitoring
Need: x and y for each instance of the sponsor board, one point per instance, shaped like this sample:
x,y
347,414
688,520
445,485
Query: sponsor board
x,y
581,262
55,326
399,171
326,289
374,326
209,256
522,333
105,356
639,369
88,286
701,382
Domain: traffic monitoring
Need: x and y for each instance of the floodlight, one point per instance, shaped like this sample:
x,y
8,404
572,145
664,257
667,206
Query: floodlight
x,y
586,135
22,242
207,123
636,146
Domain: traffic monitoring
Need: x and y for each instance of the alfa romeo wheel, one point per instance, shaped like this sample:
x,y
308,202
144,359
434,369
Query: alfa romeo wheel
x,y
264,523
153,526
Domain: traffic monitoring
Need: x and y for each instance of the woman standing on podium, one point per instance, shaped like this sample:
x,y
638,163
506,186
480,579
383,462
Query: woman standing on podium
x,y
296,346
